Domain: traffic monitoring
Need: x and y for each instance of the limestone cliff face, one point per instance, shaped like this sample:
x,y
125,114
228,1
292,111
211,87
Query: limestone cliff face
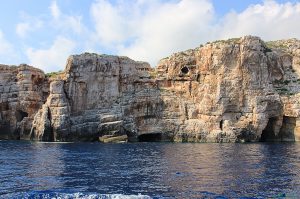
x,y
236,90
23,90
90,98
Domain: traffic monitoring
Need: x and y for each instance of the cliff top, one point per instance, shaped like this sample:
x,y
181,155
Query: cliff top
x,y
96,56
291,46
4,67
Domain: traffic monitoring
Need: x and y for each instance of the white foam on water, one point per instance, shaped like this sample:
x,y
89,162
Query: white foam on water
x,y
78,195
108,196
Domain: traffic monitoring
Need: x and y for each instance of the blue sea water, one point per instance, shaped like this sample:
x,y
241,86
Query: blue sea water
x,y
149,170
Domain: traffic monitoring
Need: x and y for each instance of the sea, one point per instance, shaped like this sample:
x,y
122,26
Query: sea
x,y
155,170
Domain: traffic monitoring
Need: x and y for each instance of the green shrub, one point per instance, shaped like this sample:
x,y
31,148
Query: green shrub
x,y
53,74
275,44
153,74
228,41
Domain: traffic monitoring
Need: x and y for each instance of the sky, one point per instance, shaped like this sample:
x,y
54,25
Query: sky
x,y
44,33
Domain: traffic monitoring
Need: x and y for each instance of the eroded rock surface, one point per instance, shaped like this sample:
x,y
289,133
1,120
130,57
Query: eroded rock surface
x,y
23,90
91,98
237,90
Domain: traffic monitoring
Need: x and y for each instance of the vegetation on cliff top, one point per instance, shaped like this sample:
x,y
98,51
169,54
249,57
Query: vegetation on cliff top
x,y
276,44
228,41
54,74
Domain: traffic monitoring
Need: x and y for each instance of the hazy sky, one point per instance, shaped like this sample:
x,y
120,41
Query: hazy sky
x,y
44,33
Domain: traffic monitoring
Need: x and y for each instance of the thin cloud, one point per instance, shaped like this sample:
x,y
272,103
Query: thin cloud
x,y
55,11
171,27
8,55
64,22
270,20
31,25
52,58
147,31
5,45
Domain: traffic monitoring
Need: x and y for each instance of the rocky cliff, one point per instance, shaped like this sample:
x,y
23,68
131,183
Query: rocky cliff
x,y
23,90
236,90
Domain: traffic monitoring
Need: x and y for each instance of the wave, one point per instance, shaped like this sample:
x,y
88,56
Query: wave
x,y
55,195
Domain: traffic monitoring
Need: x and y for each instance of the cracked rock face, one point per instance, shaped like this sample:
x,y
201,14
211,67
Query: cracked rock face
x,y
90,98
23,91
237,90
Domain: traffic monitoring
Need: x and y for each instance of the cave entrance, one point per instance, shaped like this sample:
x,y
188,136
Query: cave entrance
x,y
20,115
268,134
150,137
185,70
287,131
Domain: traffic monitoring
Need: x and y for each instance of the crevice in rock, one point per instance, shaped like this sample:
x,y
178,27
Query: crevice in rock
x,y
50,136
186,112
190,88
66,94
198,78
120,68
180,80
221,125
49,115
20,115
147,109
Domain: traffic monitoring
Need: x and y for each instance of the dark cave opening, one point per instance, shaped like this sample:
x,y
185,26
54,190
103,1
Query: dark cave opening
x,y
20,115
286,132
221,125
198,78
268,133
150,137
185,70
